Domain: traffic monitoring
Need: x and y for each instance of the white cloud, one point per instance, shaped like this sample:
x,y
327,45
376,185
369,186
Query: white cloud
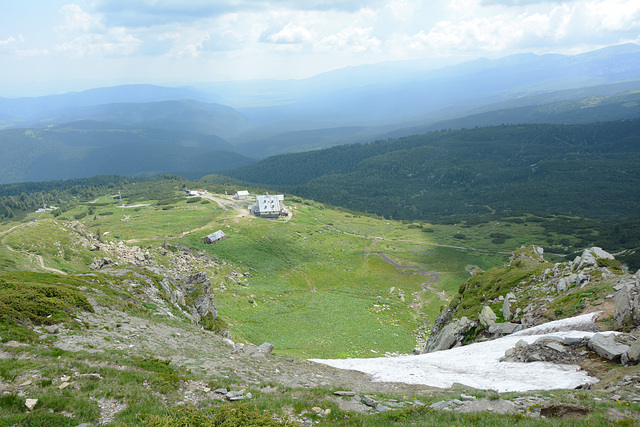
x,y
9,44
291,33
76,19
350,39
85,35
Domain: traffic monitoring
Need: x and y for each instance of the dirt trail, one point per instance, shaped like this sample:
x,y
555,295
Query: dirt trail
x,y
36,256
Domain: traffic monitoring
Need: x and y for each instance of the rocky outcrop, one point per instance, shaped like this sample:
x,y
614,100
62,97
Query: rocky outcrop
x,y
448,333
570,350
632,355
97,263
607,347
627,303
194,291
180,260
506,306
589,258
487,317
539,297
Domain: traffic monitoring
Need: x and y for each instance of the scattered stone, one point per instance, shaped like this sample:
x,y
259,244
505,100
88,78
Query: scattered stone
x,y
344,393
466,398
368,401
505,328
555,346
316,409
561,285
382,408
221,391
534,357
64,385
579,341
250,349
31,403
26,383
233,396
266,347
206,389
52,329
440,405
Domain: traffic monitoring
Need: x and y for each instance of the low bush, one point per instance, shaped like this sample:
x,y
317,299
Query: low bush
x,y
39,303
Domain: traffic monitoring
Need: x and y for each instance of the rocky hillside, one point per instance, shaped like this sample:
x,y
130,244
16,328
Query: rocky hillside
x,y
134,334
530,291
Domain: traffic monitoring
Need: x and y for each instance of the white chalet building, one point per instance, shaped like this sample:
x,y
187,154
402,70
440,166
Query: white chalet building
x,y
269,206
241,195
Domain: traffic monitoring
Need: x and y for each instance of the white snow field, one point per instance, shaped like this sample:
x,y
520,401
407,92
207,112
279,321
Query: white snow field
x,y
477,365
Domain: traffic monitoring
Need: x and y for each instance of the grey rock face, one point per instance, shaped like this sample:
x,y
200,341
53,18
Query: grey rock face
x,y
505,328
266,347
487,317
607,347
632,356
590,257
627,303
449,335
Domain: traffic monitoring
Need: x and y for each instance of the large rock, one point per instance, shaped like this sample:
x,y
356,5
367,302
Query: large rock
x,y
97,263
632,356
506,306
505,328
607,347
529,252
487,317
450,335
589,257
627,303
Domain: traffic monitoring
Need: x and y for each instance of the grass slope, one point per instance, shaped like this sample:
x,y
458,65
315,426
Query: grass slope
x,y
326,283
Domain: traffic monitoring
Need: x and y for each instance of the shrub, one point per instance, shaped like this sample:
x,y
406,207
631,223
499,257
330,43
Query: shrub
x,y
227,415
194,199
12,403
39,303
612,264
213,325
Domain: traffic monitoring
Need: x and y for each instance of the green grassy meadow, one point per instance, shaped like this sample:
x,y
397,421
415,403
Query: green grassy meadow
x,y
317,285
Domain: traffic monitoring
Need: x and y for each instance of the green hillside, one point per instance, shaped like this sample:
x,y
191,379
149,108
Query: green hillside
x,y
588,170
324,271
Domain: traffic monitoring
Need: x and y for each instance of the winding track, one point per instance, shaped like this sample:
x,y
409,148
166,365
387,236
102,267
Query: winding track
x,y
36,256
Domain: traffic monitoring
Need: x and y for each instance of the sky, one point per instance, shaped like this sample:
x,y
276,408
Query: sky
x,y
52,46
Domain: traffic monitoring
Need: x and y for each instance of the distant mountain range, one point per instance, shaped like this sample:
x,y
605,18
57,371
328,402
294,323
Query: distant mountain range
x,y
241,121
87,148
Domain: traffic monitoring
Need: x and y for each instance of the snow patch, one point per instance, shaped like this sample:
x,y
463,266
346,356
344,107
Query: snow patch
x,y
478,366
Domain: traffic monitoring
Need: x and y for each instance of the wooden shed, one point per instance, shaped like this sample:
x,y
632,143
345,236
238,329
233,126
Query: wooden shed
x,y
214,237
